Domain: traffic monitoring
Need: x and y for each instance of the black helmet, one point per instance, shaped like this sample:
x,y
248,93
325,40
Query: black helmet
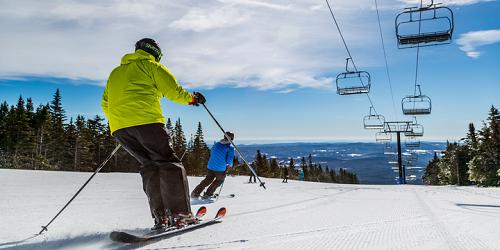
x,y
231,135
151,46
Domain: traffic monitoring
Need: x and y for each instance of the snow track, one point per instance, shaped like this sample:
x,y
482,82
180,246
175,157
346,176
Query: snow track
x,y
294,215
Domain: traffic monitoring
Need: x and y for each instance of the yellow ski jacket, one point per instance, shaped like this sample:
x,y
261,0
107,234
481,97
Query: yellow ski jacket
x,y
134,90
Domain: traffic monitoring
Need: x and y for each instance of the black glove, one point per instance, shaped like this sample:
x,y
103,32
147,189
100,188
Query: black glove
x,y
198,99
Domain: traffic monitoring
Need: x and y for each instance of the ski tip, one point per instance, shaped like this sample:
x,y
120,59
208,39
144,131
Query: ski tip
x,y
221,213
201,211
121,237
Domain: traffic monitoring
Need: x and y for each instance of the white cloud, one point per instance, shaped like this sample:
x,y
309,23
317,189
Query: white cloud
x,y
212,18
281,45
445,2
470,41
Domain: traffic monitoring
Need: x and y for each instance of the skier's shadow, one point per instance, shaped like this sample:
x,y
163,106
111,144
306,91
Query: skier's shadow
x,y
73,242
201,201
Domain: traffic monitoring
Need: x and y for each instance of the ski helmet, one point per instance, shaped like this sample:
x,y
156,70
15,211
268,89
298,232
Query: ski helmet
x,y
151,46
231,135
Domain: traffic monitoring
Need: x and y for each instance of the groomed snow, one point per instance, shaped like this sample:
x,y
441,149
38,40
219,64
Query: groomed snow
x,y
296,215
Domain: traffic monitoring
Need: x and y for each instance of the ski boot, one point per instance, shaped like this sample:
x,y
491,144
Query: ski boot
x,y
161,221
184,219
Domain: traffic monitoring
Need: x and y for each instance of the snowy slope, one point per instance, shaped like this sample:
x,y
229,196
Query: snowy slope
x,y
297,215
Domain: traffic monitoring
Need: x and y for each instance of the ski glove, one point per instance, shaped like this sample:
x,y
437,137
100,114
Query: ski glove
x,y
198,99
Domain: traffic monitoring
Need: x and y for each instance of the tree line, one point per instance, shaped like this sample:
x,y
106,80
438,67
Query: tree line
x,y
42,138
306,170
475,160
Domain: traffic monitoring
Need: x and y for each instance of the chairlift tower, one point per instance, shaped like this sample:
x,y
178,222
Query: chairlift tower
x,y
397,128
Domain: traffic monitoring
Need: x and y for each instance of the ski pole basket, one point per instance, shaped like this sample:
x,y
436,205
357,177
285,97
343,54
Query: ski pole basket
x,y
424,26
373,121
416,104
353,82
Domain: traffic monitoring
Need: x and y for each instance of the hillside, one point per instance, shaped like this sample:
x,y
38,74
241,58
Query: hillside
x,y
297,215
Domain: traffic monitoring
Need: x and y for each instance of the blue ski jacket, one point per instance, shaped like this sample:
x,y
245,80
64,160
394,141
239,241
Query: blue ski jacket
x,y
221,155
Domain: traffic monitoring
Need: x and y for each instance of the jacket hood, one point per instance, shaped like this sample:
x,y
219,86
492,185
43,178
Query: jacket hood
x,y
137,55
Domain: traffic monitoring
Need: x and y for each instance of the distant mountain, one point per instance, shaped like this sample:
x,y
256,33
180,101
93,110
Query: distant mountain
x,y
370,161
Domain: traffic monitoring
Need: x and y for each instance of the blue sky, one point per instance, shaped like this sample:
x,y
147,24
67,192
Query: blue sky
x,y
266,68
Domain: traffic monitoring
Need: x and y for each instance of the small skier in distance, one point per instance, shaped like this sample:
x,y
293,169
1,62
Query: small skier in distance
x,y
254,167
285,175
221,161
131,102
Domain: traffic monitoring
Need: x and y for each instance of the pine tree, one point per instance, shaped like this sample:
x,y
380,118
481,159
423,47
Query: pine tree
x,y
259,163
4,157
430,176
97,130
179,139
168,126
199,155
57,115
485,164
274,168
23,139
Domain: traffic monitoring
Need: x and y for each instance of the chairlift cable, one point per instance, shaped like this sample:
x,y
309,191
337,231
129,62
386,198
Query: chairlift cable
x,y
418,53
386,63
349,52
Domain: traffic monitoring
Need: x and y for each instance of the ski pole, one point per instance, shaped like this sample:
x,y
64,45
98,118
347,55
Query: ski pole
x,y
220,190
235,147
187,148
44,228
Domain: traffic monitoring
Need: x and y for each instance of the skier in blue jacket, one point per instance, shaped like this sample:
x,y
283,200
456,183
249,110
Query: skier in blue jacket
x,y
221,160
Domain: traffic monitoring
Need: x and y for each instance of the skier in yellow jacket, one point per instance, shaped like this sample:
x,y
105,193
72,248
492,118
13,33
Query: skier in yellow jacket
x,y
131,102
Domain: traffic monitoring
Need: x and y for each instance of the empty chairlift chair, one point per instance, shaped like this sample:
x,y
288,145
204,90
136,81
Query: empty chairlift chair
x,y
417,130
424,26
373,121
353,82
412,142
416,104
383,137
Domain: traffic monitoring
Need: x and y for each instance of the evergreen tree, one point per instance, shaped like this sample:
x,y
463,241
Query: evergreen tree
x,y
23,139
178,139
430,176
4,159
274,168
333,175
168,126
96,130
485,164
41,127
57,115
200,153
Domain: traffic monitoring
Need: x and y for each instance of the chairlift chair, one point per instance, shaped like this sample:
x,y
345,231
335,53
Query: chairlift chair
x,y
417,130
412,142
424,26
373,121
383,137
353,82
416,104
412,157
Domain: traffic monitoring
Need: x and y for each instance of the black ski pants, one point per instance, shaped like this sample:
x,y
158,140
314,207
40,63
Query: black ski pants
x,y
213,180
252,177
163,175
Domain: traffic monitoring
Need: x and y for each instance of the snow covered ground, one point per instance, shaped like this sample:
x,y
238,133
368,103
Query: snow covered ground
x,y
297,215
